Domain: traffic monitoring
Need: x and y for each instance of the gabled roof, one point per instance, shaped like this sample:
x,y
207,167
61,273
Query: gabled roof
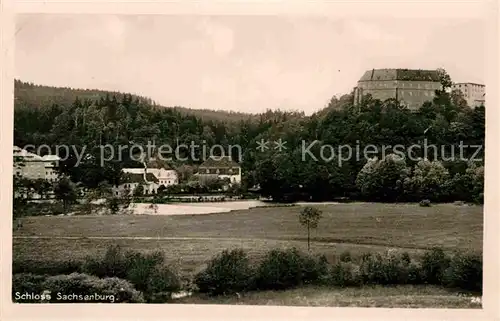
x,y
157,163
151,178
27,156
219,162
139,178
51,158
133,178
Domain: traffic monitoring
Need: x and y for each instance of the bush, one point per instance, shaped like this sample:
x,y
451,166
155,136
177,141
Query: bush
x,y
227,273
388,269
405,257
46,267
465,272
86,286
149,275
315,270
113,264
345,256
345,274
283,269
146,271
434,264
414,273
425,203
23,283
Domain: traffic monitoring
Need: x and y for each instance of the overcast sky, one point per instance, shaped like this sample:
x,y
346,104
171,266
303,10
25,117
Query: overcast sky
x,y
248,63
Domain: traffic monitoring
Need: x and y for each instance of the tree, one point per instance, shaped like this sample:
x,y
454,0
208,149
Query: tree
x,y
383,179
139,191
428,180
42,187
65,190
91,196
476,176
444,78
309,217
162,189
113,204
19,200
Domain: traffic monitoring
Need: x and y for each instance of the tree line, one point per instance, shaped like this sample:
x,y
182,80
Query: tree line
x,y
42,117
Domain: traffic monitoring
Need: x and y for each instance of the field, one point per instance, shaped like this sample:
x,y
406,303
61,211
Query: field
x,y
406,296
188,241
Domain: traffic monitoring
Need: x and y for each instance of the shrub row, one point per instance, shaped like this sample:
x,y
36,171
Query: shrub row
x,y
147,272
231,271
30,288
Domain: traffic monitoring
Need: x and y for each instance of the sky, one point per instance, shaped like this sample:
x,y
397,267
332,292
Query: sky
x,y
238,63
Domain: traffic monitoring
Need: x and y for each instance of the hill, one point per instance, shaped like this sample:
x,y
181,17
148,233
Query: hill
x,y
32,95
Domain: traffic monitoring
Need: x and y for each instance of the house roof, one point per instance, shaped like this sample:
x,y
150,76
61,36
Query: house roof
x,y
401,74
151,178
219,162
139,178
157,163
27,156
468,83
133,178
51,158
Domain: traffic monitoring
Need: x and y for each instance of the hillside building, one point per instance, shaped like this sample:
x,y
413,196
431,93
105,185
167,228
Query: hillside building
x,y
33,166
221,167
473,93
154,174
410,87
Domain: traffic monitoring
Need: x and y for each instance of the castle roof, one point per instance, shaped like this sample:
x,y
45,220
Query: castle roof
x,y
401,74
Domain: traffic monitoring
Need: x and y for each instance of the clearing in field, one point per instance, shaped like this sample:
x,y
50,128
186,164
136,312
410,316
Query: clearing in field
x,y
189,241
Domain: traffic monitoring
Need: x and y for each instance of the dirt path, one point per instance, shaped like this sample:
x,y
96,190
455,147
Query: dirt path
x,y
187,238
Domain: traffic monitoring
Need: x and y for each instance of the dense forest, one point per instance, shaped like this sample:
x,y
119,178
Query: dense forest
x,y
92,118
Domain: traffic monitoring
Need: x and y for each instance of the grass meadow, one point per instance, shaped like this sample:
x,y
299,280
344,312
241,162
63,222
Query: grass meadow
x,y
189,241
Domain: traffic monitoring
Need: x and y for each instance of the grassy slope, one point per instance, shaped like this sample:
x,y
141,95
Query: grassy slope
x,y
355,227
377,296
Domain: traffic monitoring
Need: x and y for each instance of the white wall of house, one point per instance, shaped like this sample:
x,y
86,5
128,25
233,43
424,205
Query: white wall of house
x,y
234,179
120,190
33,170
151,188
133,170
165,177
35,167
50,174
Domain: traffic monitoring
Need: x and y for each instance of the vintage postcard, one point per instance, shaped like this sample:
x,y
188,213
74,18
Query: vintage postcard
x,y
198,159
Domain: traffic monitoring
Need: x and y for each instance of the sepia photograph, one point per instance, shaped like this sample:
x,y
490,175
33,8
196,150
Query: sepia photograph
x,y
256,160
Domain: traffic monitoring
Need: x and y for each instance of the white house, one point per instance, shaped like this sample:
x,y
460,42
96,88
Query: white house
x,y
33,166
131,181
165,175
154,174
51,163
221,167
